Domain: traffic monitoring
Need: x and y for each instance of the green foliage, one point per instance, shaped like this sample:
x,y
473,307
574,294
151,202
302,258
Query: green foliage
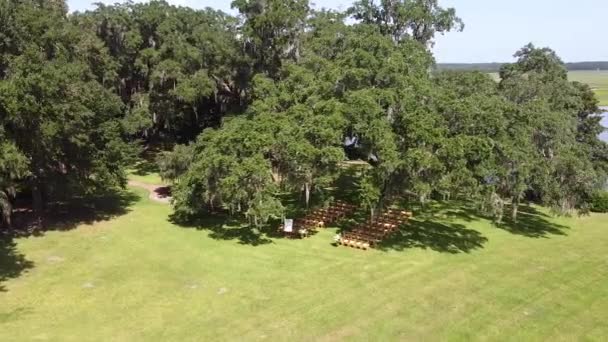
x,y
175,163
369,193
219,175
55,114
13,168
272,31
263,207
449,134
419,20
177,70
13,164
599,202
559,122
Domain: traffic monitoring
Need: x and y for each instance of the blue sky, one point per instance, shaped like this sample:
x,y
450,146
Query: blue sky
x,y
495,29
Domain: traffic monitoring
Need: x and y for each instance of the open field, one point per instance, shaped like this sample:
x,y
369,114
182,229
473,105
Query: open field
x,y
451,276
602,95
598,80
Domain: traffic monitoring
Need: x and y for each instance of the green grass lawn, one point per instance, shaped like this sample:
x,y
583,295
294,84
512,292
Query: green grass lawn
x,y
145,171
148,178
452,276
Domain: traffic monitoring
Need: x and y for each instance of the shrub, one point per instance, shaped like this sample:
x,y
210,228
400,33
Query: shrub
x,y
599,202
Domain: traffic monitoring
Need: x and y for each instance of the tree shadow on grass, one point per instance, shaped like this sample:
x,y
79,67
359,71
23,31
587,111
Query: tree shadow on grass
x,y
59,216
458,210
245,235
12,263
14,314
533,223
163,192
69,214
223,227
438,236
437,226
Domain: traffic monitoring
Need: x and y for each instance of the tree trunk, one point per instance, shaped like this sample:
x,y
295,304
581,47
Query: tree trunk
x,y
307,193
514,208
6,208
7,212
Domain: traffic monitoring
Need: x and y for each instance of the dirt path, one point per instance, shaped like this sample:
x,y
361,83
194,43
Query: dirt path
x,y
158,193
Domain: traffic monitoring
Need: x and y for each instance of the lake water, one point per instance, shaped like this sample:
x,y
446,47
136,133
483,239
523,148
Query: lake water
x,y
604,136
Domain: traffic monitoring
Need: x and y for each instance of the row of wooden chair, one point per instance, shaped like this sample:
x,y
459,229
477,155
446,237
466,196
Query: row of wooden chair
x,y
355,242
399,215
321,217
372,232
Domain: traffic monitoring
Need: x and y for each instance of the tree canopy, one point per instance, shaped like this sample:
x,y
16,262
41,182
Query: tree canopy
x,y
60,127
275,100
365,88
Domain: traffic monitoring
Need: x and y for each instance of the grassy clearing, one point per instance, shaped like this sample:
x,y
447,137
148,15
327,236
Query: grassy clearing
x,y
148,178
451,275
145,171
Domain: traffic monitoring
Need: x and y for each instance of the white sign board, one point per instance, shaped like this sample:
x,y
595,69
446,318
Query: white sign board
x,y
288,226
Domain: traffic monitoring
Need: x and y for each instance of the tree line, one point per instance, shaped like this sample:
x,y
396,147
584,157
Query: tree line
x,y
495,67
275,99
